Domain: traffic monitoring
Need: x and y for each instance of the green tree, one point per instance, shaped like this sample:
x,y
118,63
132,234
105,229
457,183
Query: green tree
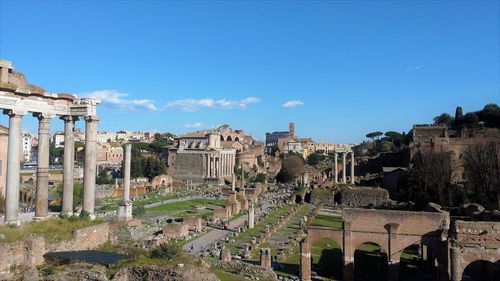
x,y
471,119
315,158
293,164
103,178
443,119
374,135
167,250
284,176
261,177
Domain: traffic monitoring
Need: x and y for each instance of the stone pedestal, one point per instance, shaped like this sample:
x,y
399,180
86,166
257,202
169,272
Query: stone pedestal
x,y
265,257
125,211
225,255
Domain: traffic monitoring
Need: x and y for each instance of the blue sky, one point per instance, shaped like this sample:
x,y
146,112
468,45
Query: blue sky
x,y
337,69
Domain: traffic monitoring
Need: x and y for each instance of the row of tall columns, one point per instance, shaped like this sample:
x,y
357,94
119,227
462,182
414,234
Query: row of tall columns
x,y
42,182
219,165
336,169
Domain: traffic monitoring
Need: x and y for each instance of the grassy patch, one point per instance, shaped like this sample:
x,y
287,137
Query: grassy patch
x,y
52,230
188,208
328,221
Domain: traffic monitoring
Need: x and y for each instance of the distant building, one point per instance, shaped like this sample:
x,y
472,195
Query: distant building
x,y
58,139
200,157
440,138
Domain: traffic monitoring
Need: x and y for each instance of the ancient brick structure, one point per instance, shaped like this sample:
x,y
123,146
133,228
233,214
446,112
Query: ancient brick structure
x,y
361,196
475,245
393,231
175,230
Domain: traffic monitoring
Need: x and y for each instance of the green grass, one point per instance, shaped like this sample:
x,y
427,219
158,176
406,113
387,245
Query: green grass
x,y
52,230
327,221
188,208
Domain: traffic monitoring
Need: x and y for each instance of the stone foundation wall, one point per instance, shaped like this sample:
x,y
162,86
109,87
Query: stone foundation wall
x,y
362,197
29,252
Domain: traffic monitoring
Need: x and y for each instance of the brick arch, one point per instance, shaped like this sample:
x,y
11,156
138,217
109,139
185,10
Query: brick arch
x,y
487,259
379,240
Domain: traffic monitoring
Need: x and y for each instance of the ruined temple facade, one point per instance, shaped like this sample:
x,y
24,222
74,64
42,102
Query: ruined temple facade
x,y
18,98
199,157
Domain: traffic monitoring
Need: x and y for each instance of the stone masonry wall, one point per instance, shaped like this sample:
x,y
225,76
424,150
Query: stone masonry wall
x,y
30,251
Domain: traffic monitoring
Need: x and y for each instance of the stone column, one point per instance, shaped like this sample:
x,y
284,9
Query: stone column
x,y
335,167
352,167
348,253
343,168
393,268
242,177
251,215
68,165
456,267
13,167
125,208
89,173
42,170
305,260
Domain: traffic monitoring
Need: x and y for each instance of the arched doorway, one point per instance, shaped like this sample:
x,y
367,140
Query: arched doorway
x,y
410,265
229,138
307,197
326,259
298,199
481,270
370,263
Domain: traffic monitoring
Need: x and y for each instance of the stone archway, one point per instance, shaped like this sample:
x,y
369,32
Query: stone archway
x,y
298,199
481,270
370,262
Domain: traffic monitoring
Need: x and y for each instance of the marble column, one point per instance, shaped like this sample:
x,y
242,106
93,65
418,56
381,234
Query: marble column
x,y
68,165
13,167
343,168
335,167
352,167
89,173
251,215
42,170
125,207
242,177
126,172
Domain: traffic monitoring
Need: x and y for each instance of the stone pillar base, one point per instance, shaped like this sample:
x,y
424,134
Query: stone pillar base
x,y
40,218
67,214
14,222
125,212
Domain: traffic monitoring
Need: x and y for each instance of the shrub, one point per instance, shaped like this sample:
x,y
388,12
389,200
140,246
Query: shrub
x,y
138,211
168,250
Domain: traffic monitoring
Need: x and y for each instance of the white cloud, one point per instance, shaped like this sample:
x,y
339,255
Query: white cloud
x,y
118,100
196,125
292,103
191,105
414,68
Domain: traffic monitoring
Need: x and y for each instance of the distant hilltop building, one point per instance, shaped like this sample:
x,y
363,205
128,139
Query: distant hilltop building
x,y
441,138
211,155
287,142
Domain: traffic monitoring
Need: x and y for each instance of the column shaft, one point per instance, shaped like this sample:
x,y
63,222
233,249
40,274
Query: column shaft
x,y
42,171
68,165
13,168
343,168
126,173
352,167
90,164
336,169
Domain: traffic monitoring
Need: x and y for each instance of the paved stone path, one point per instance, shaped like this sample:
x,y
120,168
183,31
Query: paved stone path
x,y
202,242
